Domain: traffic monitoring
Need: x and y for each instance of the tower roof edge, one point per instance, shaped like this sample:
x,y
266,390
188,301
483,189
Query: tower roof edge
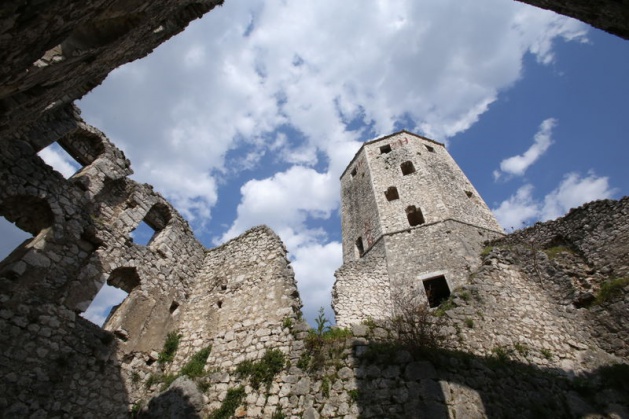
x,y
375,140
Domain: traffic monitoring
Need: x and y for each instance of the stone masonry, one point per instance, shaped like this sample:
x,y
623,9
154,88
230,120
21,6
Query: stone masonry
x,y
535,324
406,208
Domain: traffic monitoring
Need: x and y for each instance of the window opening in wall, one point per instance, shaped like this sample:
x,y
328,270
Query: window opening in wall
x,y
469,194
437,290
54,155
223,287
219,304
391,193
12,237
359,247
429,148
407,168
415,216
354,171
142,234
153,223
385,149
173,307
112,294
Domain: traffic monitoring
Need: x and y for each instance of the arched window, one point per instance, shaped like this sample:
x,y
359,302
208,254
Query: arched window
x,y
415,216
407,168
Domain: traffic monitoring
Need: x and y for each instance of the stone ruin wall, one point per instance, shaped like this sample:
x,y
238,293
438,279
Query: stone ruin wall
x,y
609,15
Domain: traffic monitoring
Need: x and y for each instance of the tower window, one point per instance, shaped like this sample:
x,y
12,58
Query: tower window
x,y
429,148
415,216
359,247
469,194
407,168
385,149
391,193
437,290
354,172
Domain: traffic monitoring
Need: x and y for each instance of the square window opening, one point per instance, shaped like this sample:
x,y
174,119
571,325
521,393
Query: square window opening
x,y
59,159
391,193
415,216
437,290
385,149
429,148
104,305
12,237
407,168
143,234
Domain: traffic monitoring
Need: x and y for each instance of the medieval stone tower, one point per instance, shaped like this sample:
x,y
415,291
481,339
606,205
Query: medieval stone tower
x,y
411,221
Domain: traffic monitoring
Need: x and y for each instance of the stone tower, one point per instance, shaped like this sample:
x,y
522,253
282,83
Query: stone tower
x,y
411,221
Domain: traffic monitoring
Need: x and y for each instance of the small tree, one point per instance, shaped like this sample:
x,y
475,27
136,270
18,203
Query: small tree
x,y
414,324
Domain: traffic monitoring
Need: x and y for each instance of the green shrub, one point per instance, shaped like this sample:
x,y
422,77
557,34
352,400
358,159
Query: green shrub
x,y
194,367
170,348
287,323
278,414
325,387
448,304
501,353
354,395
521,348
553,252
264,370
610,289
168,380
486,251
546,353
234,398
469,323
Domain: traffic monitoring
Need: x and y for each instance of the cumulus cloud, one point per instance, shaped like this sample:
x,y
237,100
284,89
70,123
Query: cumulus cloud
x,y
59,160
522,208
12,237
218,98
517,165
107,297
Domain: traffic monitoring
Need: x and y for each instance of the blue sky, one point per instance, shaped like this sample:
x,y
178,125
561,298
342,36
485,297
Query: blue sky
x,y
250,115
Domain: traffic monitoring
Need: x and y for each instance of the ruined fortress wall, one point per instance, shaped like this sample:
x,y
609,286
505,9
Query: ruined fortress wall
x,y
55,52
362,289
609,15
81,239
449,248
243,294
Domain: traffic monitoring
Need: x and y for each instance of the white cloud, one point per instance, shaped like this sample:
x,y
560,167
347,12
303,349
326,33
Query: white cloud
x,y
249,68
522,208
54,156
516,211
517,165
12,237
574,191
216,99
314,266
107,297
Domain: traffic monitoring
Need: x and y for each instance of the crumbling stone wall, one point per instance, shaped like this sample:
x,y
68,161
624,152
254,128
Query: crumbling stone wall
x,y
55,52
609,15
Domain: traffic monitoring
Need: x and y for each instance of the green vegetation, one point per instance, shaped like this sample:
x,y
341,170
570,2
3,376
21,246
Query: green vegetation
x,y
325,387
610,289
135,377
469,323
553,252
448,304
486,251
323,344
234,398
264,370
522,349
465,296
546,353
170,348
194,367
287,323
370,323
502,353
354,395
278,414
